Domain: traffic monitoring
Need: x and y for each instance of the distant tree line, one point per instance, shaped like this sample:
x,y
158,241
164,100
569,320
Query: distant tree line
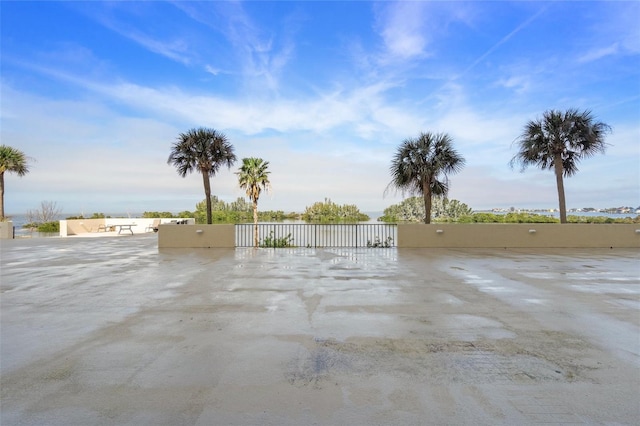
x,y
166,215
238,211
93,216
328,211
453,211
241,211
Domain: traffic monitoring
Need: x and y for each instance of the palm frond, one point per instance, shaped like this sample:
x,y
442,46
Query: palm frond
x,y
202,149
420,162
253,177
13,160
570,134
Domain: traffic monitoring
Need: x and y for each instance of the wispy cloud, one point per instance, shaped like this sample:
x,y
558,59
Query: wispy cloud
x,y
518,83
502,41
364,110
211,70
174,48
599,53
402,28
616,33
364,105
262,54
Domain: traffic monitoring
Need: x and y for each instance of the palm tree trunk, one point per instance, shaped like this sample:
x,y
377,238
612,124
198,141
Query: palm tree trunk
x,y
255,224
557,165
426,191
207,194
1,195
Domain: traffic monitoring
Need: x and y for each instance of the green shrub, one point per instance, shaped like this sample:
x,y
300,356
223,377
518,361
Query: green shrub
x,y
273,242
486,218
49,227
529,218
602,219
412,210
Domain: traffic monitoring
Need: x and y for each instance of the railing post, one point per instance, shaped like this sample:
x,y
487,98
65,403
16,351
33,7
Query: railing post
x,y
356,235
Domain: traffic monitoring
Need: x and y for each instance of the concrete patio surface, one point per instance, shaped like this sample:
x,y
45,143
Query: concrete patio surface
x,y
114,331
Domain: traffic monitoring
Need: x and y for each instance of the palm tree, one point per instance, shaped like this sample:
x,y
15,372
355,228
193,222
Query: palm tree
x,y
254,177
203,150
420,167
13,161
558,142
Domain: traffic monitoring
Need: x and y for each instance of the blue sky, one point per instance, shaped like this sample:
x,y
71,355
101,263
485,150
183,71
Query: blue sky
x,y
97,92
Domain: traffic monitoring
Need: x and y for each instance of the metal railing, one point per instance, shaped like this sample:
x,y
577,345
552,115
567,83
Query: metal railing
x,y
317,235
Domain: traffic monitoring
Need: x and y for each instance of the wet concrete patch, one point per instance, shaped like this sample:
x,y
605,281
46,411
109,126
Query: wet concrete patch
x,y
434,362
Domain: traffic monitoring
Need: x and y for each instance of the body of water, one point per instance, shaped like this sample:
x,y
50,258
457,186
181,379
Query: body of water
x,y
556,214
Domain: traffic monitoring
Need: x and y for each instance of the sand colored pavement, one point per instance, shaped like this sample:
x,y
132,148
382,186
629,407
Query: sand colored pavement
x,y
113,331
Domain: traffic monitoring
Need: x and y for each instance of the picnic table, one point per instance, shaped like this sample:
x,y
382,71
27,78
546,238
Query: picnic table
x,y
126,227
